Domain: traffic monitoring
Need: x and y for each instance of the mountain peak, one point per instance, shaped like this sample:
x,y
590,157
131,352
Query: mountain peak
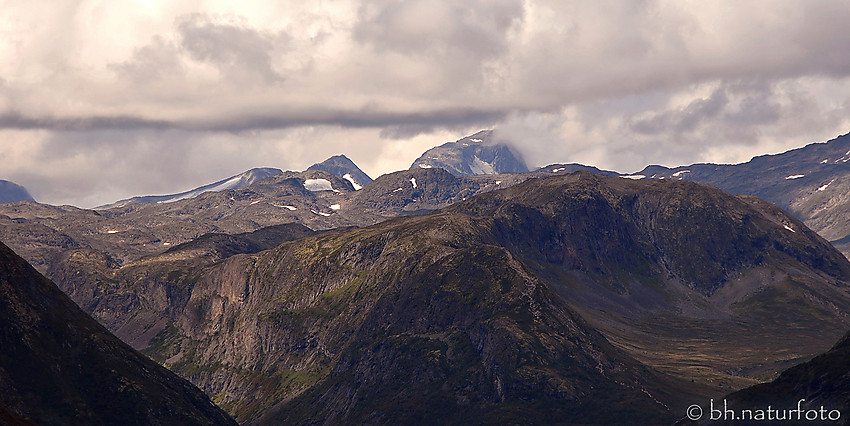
x,y
476,154
343,167
11,192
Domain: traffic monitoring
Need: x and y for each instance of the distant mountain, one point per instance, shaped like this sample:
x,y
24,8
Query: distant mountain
x,y
234,182
565,169
11,192
343,167
473,155
812,182
59,366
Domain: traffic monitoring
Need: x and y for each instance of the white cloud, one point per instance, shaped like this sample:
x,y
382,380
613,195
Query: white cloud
x,y
617,84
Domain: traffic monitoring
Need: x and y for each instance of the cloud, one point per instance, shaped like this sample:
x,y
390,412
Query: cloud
x,y
614,83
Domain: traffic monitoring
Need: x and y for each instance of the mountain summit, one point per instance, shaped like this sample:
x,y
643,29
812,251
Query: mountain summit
x,y
343,167
239,181
11,191
473,155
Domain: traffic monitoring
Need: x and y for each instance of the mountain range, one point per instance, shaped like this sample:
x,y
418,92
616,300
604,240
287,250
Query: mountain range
x,y
278,324
556,294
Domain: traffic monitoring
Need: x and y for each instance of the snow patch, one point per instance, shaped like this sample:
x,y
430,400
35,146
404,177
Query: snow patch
x,y
356,185
823,188
635,177
826,160
397,189
318,185
335,206
481,167
498,182
228,184
166,244
112,231
789,228
321,213
255,202
680,173
413,181
425,166
559,169
290,208
794,177
477,140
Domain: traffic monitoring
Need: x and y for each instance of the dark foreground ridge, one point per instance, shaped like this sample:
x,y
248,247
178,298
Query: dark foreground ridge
x,y
58,366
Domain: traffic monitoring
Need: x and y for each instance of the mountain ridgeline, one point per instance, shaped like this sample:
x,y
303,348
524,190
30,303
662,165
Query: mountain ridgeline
x,y
811,182
234,182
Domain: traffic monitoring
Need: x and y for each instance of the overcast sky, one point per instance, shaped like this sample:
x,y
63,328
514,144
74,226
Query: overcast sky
x,y
102,100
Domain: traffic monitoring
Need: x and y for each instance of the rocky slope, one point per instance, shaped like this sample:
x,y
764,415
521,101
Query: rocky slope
x,y
135,300
11,192
342,167
812,182
821,382
542,293
58,366
472,155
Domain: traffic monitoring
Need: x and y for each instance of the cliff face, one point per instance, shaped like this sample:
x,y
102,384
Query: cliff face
x,y
412,318
59,366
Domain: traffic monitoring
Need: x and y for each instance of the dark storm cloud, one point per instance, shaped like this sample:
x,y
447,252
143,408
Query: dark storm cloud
x,y
237,122
17,121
